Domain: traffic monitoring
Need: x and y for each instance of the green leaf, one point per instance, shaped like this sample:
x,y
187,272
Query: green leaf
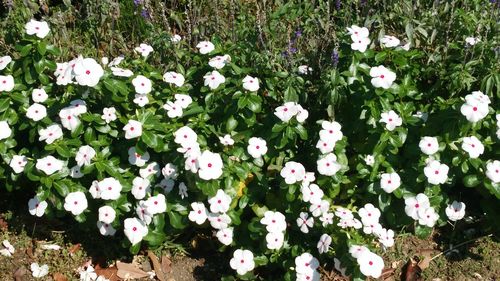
x,y
176,220
150,139
471,180
155,238
42,47
423,232
231,124
4,104
134,249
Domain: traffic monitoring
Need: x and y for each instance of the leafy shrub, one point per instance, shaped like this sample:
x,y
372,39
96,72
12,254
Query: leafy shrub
x,y
130,147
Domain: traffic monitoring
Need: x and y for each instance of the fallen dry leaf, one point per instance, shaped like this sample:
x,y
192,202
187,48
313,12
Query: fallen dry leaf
x,y
74,249
412,271
3,225
166,264
387,273
20,272
424,263
110,273
129,271
59,277
157,266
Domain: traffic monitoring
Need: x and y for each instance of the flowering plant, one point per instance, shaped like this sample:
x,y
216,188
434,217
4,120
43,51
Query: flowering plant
x,y
283,181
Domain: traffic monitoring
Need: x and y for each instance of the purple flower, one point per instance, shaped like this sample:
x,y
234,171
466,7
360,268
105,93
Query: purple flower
x,y
145,14
335,57
362,3
137,2
298,33
337,4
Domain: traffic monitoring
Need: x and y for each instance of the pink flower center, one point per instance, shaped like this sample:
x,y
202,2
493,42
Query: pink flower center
x,y
474,108
292,171
242,261
390,119
429,145
209,165
436,172
257,147
131,128
110,188
76,202
417,205
370,263
87,72
134,228
219,201
382,76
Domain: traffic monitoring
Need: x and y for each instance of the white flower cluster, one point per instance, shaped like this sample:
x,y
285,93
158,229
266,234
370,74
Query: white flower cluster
x,y
359,37
328,136
305,266
475,107
175,109
86,72
370,264
275,223
289,110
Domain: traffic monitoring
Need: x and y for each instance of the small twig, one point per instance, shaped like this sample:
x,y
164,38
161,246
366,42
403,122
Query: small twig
x,y
459,245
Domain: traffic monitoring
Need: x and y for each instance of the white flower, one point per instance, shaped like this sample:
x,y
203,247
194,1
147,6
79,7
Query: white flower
x,y
390,181
167,185
68,119
151,169
140,187
304,69
88,274
9,249
477,96
84,155
185,136
144,49
37,207
406,46
17,163
429,145
116,61
210,165
293,172
88,72
183,190
372,228
219,221
286,111
242,261
205,47
121,72
275,240
169,171
5,61
356,31
225,236
226,140
39,95
369,160
338,267
60,69
75,172
317,209
183,100
250,83
49,165
257,147
94,190
356,251
38,271
427,217
369,214
382,77
274,221
474,110
109,188
389,41
6,83
472,41
107,214
213,79
220,202
391,120
328,165
414,204
141,100
219,62
142,84
174,78
5,130
104,61
473,146
302,114
493,171
326,219
137,159
324,243
331,132
133,129
176,38
386,237
38,28
75,202
49,134
325,146
157,204
306,264
199,214
108,114
312,193
106,229
36,112
173,109
142,212
304,222
455,211
436,172
135,230
360,44
370,264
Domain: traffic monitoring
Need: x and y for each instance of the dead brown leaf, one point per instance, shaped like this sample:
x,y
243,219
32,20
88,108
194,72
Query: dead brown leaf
x,y
166,264
412,271
387,273
427,257
110,273
74,249
157,266
3,225
59,277
130,271
20,272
